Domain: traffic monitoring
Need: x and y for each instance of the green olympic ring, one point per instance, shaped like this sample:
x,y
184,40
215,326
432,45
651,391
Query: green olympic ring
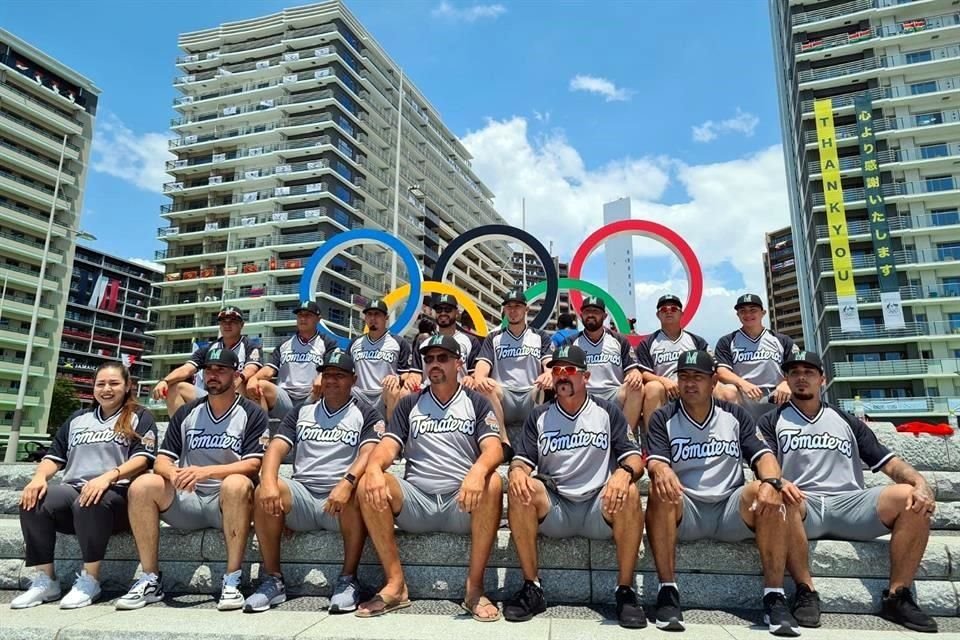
x,y
613,307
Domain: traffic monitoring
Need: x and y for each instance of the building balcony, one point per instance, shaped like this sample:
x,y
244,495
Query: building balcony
x,y
878,65
293,126
916,92
896,369
870,333
894,407
25,130
23,276
910,258
946,186
883,126
867,297
262,107
902,224
946,153
857,37
225,158
44,111
837,15
278,218
26,161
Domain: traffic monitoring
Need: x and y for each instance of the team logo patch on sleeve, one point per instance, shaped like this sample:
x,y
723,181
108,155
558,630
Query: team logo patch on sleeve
x,y
265,439
492,422
149,442
380,428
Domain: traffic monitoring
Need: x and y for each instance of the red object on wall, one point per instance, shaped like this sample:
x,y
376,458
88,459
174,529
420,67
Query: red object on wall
x,y
916,428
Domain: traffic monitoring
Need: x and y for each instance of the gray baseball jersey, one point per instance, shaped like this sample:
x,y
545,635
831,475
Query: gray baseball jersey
x,y
295,362
823,454
578,451
706,457
247,353
756,360
469,347
196,437
608,360
87,446
326,443
658,354
441,441
374,360
516,361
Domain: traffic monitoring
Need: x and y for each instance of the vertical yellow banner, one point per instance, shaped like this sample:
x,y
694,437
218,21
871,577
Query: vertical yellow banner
x,y
836,216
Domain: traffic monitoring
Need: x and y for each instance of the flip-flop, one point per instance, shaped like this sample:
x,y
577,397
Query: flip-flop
x,y
393,604
482,601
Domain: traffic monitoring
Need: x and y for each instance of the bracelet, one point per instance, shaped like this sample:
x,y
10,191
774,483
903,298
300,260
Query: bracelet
x,y
117,469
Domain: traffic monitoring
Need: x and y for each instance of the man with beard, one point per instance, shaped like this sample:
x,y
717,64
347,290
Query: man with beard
x,y
202,478
448,435
332,440
448,310
509,371
294,364
657,355
581,448
615,375
176,387
696,447
382,361
822,450
749,359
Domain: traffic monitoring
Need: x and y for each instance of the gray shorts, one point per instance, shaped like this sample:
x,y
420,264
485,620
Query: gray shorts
x,y
610,395
517,405
284,404
567,518
424,512
759,408
845,516
192,511
306,511
373,398
713,520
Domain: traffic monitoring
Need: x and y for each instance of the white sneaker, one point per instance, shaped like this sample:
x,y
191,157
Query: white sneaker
x,y
230,596
42,589
147,589
84,592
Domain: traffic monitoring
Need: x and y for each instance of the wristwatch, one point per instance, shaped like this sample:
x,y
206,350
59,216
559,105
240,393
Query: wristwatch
x,y
352,479
776,483
628,469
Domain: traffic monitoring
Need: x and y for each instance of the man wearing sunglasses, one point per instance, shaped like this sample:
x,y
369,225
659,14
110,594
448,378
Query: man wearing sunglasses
x,y
448,311
580,448
614,373
658,352
449,437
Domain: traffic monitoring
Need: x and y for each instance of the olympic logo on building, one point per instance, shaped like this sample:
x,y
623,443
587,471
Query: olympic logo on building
x,y
549,289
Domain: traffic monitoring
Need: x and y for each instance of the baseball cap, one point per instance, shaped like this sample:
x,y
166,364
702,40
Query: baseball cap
x,y
337,359
230,312
444,299
569,354
440,341
221,357
514,295
803,357
593,301
309,306
669,299
376,305
696,360
748,299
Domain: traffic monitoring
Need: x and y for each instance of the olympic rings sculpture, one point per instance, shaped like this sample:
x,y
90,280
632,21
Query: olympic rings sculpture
x,y
549,288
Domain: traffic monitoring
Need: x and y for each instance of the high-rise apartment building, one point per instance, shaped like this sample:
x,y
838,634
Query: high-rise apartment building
x,y
107,318
289,131
905,56
47,113
526,270
618,252
780,273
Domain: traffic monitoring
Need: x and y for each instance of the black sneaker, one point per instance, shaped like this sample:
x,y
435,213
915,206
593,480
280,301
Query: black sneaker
x,y
901,608
525,603
669,615
630,614
806,606
777,616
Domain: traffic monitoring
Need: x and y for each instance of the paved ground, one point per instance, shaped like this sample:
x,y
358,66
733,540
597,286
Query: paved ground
x,y
193,617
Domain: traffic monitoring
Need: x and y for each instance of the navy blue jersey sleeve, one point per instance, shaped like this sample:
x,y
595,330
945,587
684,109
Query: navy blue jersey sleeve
x,y
416,360
257,433
700,343
399,426
657,443
330,343
723,354
287,431
471,360
752,443
486,349
405,356
872,451
254,352
627,356
789,346
146,444
61,440
767,426
172,445
525,449
487,424
643,355
622,444
546,346
373,425
198,356
275,359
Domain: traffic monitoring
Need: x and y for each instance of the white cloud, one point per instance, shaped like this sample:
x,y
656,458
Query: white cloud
x,y
729,205
149,264
543,117
601,86
468,14
742,122
139,159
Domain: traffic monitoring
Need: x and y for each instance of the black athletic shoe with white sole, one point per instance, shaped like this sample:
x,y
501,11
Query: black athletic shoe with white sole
x,y
777,616
901,608
669,615
146,590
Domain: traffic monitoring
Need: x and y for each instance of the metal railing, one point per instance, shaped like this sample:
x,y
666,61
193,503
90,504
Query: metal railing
x,y
914,25
890,190
910,329
835,11
897,368
868,64
41,132
914,405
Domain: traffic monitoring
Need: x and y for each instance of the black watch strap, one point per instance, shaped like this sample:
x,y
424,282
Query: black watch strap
x,y
776,483
352,479
628,469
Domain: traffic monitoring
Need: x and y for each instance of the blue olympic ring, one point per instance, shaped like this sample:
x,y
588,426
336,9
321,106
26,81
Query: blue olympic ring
x,y
311,274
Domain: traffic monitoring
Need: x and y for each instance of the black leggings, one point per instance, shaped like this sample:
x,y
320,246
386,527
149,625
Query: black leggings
x,y
60,511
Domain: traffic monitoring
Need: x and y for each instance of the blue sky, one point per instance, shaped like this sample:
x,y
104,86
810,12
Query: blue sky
x,y
602,96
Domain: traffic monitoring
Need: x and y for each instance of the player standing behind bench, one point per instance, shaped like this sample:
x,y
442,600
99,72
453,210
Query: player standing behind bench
x,y
382,361
658,352
294,364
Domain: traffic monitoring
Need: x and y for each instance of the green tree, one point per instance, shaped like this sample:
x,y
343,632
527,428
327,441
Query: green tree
x,y
63,402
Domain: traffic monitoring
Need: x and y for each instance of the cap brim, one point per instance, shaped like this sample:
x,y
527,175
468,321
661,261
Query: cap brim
x,y
375,309
323,367
709,372
553,363
786,365
423,350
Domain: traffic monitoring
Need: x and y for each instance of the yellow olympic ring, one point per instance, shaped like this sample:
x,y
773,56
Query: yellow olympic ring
x,y
430,286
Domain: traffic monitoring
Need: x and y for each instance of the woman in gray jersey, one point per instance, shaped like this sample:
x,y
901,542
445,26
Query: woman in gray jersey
x,y
99,451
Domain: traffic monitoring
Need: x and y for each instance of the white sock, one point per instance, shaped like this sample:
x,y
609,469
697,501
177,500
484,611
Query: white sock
x,y
670,584
536,581
767,591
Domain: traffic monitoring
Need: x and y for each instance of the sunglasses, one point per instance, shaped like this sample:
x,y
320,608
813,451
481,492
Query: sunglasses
x,y
669,308
565,372
445,309
442,358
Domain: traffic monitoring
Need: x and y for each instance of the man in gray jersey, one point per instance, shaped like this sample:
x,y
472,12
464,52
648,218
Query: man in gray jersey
x,y
185,383
382,360
203,478
581,447
294,366
822,450
658,352
332,440
509,370
614,373
749,360
448,310
696,447
449,437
